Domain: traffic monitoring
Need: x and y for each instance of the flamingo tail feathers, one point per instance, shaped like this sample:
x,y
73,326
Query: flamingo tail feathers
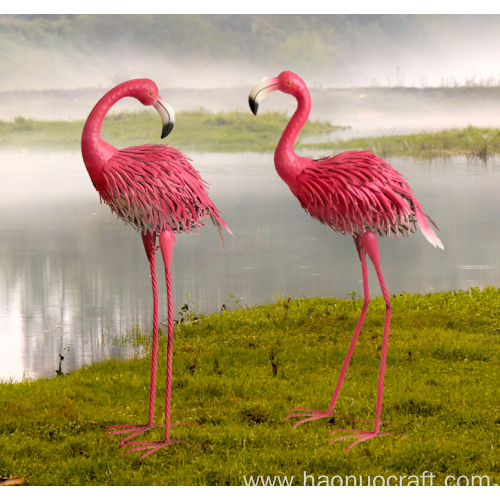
x,y
426,229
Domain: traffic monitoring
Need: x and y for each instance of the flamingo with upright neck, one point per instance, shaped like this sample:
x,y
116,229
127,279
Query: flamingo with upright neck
x,y
156,190
354,193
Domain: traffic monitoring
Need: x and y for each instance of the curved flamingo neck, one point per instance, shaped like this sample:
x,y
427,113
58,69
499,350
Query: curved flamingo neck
x,y
95,151
287,163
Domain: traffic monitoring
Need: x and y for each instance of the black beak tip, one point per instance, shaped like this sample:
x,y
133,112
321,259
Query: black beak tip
x,y
166,130
254,107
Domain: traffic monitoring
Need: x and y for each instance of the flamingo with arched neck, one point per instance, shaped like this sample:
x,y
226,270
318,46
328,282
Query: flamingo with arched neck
x,y
156,190
354,193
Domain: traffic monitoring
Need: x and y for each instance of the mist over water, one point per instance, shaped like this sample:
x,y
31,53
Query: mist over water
x,y
369,111
376,74
201,51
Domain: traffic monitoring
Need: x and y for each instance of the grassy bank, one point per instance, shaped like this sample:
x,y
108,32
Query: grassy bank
x,y
241,131
194,130
471,141
238,374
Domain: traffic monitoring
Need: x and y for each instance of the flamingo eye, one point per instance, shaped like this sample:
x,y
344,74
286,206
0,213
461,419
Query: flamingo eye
x,y
151,93
289,82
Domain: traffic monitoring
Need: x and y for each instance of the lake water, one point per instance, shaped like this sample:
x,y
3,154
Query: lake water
x,y
72,274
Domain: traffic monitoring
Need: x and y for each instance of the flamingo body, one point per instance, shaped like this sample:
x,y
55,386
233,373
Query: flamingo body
x,y
356,193
155,189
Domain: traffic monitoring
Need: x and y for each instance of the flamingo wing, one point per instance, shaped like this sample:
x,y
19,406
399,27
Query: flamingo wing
x,y
153,187
356,191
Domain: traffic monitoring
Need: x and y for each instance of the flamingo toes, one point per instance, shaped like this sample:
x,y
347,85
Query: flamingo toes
x,y
155,189
356,193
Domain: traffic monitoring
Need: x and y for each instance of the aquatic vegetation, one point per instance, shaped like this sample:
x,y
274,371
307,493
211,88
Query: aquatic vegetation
x,y
230,131
471,141
238,131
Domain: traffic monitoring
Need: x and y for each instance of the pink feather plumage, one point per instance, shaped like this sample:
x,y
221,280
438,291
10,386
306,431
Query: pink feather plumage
x,y
153,187
356,191
352,192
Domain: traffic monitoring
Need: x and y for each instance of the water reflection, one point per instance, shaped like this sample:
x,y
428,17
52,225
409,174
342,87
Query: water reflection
x,y
73,277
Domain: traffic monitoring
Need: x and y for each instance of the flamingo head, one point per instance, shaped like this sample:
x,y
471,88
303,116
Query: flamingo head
x,y
146,92
287,82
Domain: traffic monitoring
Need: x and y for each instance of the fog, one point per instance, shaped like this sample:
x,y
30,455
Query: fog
x,y
366,71
67,52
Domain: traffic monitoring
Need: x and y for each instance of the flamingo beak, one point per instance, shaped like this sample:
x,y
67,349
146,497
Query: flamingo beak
x,y
259,91
167,116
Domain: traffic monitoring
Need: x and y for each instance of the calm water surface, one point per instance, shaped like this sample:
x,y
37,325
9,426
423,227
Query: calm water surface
x,y
73,277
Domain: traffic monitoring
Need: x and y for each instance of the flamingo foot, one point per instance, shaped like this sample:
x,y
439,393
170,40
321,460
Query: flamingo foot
x,y
360,436
311,415
134,430
153,446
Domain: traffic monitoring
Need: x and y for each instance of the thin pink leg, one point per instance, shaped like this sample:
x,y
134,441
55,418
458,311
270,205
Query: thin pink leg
x,y
166,246
167,239
371,246
366,293
149,240
314,414
369,242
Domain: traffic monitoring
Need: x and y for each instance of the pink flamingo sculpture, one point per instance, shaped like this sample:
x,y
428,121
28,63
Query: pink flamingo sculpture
x,y
353,192
155,189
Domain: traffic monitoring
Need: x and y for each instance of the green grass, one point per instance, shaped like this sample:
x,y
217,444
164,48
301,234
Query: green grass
x,y
238,374
230,131
236,131
471,141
